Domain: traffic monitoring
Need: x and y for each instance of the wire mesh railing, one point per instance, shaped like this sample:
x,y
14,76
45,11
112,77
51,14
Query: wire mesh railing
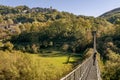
x,y
98,71
80,72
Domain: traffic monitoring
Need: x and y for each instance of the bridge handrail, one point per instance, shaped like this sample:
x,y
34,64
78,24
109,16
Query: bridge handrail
x,y
98,71
84,65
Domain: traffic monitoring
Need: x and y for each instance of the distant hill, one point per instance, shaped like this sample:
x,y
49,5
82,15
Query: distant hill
x,y
112,16
109,13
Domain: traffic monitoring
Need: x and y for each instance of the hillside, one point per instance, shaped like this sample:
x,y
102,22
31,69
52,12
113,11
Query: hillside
x,y
112,16
40,32
42,27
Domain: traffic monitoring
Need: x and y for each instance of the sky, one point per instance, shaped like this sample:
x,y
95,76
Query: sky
x,y
79,7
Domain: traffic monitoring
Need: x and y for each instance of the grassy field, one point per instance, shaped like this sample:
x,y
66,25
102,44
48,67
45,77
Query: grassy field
x,y
16,65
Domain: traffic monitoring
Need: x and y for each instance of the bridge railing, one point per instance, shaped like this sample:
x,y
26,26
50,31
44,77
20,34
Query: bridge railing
x,y
98,71
81,72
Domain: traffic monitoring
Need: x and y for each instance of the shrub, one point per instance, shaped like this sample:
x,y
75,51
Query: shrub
x,y
111,68
9,46
35,48
65,47
14,66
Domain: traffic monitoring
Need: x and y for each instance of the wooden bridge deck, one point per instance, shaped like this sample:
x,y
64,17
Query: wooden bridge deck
x,y
92,75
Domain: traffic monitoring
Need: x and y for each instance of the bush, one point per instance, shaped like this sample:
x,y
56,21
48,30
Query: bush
x,y
9,46
111,68
35,48
65,47
14,66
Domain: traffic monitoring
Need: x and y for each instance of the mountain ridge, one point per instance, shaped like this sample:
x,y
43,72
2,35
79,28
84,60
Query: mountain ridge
x,y
115,11
112,16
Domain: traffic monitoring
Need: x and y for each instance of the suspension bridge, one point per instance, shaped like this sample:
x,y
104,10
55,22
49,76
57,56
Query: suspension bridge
x,y
88,70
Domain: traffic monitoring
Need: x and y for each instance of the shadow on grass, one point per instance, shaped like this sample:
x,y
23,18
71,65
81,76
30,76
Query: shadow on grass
x,y
76,60
58,54
71,62
53,53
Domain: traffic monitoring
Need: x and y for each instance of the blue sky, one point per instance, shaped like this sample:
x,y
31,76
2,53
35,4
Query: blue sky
x,y
78,7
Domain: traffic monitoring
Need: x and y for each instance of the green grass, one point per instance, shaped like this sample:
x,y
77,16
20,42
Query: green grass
x,y
16,65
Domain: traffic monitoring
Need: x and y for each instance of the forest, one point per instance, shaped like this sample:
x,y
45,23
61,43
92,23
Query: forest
x,y
35,42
